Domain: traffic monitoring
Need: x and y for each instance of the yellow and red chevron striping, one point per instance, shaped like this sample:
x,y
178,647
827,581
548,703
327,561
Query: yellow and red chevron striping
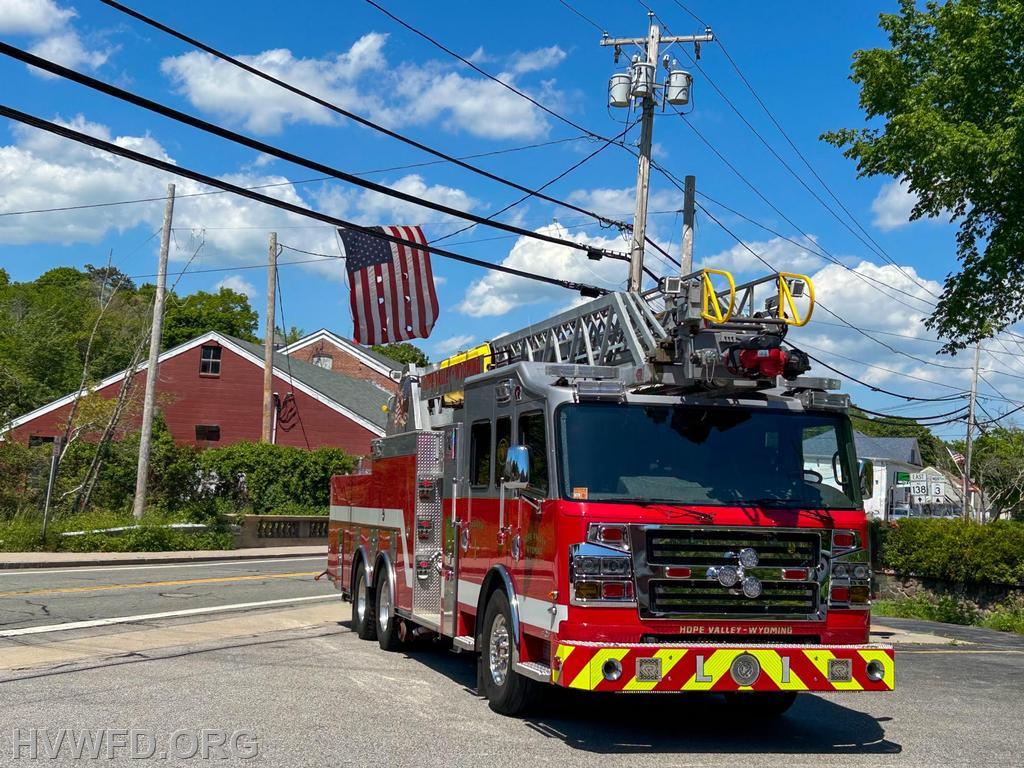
x,y
707,668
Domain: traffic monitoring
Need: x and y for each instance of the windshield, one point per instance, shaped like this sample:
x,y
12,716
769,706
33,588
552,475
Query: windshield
x,y
699,455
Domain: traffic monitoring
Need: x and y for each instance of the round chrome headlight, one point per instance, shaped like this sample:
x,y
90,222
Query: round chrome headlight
x,y
875,670
612,669
840,571
728,576
748,557
751,587
861,572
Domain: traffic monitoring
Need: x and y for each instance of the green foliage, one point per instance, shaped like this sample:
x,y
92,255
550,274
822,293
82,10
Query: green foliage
x,y
290,336
263,478
954,550
148,538
402,352
933,450
947,95
998,467
1009,618
942,608
198,313
46,324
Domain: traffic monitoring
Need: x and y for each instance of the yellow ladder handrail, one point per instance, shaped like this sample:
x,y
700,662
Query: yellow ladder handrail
x,y
711,307
788,313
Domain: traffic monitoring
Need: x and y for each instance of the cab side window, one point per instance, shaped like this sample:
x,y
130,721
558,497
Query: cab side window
x,y
532,434
480,454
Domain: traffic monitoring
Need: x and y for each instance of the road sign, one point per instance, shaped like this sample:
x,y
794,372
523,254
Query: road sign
x,y
918,477
918,488
902,478
937,489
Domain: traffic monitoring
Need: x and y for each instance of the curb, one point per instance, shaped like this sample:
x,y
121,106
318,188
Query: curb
x,y
146,558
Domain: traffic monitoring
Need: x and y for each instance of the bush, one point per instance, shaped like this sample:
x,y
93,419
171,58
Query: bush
x,y
954,550
148,538
931,608
264,479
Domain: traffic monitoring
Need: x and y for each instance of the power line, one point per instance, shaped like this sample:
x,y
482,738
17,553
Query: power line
x,y
353,116
260,146
288,359
583,16
178,170
508,86
297,182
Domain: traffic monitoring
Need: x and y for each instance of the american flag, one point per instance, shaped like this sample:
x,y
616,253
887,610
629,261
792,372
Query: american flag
x,y
392,288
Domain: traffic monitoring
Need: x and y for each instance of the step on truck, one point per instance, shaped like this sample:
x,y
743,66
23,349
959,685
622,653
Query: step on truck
x,y
645,493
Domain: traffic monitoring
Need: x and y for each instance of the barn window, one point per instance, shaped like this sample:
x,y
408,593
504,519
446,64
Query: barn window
x,y
209,363
207,432
323,360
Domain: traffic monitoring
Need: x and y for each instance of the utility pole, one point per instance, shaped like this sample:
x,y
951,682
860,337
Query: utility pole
x,y
641,84
54,462
689,193
968,507
155,337
268,342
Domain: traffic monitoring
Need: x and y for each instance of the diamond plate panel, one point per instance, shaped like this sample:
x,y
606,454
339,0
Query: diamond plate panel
x,y
426,596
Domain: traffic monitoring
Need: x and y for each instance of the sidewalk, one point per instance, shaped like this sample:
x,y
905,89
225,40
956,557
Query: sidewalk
x,y
66,559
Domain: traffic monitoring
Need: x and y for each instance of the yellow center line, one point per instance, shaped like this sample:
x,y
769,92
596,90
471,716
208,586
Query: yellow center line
x,y
147,584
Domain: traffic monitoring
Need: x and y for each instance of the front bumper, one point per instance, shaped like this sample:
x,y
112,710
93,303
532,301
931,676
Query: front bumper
x,y
669,667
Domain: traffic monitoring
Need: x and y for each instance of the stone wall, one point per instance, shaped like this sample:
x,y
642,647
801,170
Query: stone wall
x,y
980,597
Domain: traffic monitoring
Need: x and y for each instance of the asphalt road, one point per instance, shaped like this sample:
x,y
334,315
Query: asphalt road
x,y
321,697
38,597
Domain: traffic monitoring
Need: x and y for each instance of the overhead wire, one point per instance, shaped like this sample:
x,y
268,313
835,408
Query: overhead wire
x,y
260,146
179,170
352,115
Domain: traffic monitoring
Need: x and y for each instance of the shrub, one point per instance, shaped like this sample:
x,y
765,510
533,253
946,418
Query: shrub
x,y
942,608
954,550
265,478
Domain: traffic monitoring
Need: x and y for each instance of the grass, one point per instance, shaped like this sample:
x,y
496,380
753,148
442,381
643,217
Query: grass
x,y
1008,617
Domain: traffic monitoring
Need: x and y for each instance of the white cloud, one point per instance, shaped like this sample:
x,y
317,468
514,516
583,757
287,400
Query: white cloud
x,y
39,170
221,88
68,49
498,293
535,61
454,344
363,80
893,204
780,254
621,202
482,107
33,17
238,284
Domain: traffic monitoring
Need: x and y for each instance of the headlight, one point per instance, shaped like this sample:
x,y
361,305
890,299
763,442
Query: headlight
x,y
600,574
587,566
861,572
615,566
840,571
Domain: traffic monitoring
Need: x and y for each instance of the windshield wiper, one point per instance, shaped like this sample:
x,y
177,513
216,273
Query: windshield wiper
x,y
774,502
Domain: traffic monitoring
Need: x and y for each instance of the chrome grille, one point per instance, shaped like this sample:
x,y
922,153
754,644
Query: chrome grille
x,y
692,596
676,569
696,546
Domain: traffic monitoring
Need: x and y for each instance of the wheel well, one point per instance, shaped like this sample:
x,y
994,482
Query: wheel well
x,y
360,558
496,579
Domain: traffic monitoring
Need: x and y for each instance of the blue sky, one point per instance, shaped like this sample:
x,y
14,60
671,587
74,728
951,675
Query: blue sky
x,y
796,55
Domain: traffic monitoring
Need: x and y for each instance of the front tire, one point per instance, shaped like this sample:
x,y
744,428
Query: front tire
x,y
384,613
363,623
508,692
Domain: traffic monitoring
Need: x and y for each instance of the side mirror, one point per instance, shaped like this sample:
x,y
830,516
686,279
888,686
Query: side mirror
x,y
517,468
866,469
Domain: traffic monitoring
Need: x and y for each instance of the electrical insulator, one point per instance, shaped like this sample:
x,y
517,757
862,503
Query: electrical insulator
x,y
677,87
618,90
643,79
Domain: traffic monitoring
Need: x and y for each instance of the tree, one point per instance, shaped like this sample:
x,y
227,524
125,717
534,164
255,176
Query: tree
x,y
226,311
948,93
402,352
997,465
290,336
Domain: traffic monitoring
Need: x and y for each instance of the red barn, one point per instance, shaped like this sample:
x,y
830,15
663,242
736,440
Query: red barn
x,y
331,351
210,392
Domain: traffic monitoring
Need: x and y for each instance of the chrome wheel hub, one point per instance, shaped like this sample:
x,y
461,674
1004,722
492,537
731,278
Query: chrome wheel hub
x,y
499,648
359,595
384,609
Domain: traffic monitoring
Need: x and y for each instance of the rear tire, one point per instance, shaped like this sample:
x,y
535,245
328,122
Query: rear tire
x,y
384,614
508,692
363,623
764,705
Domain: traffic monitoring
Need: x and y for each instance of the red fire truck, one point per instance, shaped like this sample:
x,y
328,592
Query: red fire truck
x,y
644,493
